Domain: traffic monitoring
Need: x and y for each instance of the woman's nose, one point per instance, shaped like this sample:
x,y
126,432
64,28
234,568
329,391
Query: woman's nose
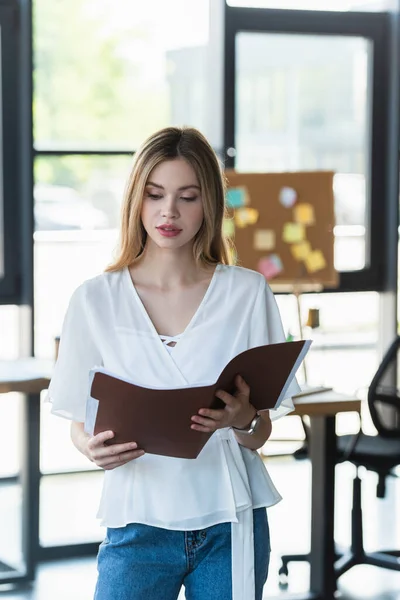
x,y
170,209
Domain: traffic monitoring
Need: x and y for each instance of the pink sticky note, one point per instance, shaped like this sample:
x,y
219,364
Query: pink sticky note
x,y
270,266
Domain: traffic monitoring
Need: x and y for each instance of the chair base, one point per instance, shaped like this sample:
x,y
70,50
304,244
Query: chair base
x,y
346,559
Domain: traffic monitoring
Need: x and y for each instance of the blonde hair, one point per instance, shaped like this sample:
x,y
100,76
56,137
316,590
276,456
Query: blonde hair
x,y
210,246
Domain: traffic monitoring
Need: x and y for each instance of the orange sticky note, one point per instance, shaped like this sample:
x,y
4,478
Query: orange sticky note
x,y
264,239
304,213
301,251
315,261
246,216
293,233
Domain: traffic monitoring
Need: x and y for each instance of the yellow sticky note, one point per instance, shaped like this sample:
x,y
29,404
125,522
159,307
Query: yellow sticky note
x,y
264,239
228,227
304,213
293,233
315,261
301,251
246,216
233,255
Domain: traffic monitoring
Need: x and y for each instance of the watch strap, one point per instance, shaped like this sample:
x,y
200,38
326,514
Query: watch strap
x,y
251,428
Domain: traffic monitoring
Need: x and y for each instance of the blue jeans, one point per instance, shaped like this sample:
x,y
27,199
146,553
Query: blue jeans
x,y
138,562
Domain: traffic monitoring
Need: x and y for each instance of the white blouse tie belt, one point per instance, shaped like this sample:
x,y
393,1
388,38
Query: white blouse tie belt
x,y
242,533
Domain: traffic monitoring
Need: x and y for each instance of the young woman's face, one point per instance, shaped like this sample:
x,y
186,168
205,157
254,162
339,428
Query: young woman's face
x,y
172,211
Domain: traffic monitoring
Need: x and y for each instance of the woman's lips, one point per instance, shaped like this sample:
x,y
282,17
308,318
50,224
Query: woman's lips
x,y
167,231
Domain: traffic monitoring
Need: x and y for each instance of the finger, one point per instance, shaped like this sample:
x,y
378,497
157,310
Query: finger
x,y
209,423
121,459
100,439
203,429
241,385
226,398
216,415
114,449
204,421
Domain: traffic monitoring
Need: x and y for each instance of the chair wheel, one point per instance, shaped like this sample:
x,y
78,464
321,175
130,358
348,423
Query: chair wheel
x,y
283,579
283,571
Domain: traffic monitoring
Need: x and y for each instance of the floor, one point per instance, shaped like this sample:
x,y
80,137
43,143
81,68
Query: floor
x,y
289,523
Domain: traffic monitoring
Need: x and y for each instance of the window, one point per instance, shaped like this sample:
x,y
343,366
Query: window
x,y
303,104
334,5
9,155
88,121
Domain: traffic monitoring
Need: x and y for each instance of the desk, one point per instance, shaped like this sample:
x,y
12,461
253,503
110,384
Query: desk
x,y
322,409
28,376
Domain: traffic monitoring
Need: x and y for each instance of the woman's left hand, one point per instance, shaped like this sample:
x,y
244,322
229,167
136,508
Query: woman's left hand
x,y
238,411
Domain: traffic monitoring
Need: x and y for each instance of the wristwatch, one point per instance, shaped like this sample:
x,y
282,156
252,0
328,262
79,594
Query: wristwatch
x,y
251,428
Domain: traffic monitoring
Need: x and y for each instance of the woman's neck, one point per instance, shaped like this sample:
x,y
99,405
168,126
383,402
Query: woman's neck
x,y
168,268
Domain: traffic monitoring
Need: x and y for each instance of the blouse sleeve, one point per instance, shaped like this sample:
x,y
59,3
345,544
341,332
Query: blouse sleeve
x,y
69,385
266,328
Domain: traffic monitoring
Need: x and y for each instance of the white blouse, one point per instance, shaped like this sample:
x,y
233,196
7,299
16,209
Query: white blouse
x,y
107,325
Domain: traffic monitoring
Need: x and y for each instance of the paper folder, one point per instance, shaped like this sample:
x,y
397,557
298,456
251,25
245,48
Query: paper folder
x,y
159,420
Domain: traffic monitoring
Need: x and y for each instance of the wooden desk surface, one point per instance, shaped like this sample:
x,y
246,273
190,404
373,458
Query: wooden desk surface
x,y
327,403
26,375
32,375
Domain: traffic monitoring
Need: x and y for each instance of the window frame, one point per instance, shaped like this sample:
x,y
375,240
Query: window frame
x,y
10,289
383,166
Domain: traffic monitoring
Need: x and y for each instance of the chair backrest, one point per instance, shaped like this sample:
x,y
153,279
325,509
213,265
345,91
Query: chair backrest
x,y
384,397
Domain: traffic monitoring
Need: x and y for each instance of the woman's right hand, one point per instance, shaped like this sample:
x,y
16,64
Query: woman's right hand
x,y
110,456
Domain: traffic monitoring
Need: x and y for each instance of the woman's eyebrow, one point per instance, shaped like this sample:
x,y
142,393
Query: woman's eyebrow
x,y
184,187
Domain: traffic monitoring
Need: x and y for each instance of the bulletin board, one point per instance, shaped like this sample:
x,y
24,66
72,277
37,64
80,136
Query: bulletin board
x,y
281,224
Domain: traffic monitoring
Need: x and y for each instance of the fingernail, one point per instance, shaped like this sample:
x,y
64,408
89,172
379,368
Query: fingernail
x,y
134,445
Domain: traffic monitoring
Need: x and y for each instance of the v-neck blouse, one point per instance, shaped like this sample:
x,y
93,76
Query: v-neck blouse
x,y
107,325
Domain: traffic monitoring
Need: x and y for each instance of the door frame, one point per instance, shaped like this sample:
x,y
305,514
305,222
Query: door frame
x,y
377,27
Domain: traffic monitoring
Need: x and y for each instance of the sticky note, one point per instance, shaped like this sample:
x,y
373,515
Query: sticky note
x,y
301,251
270,266
237,197
246,216
293,233
264,239
315,261
304,213
228,227
287,197
232,255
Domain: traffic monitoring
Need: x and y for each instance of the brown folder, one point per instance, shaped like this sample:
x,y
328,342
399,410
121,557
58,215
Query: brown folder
x,y
159,420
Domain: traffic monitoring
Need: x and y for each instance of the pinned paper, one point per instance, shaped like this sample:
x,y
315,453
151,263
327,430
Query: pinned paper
x,y
264,239
270,266
287,197
301,251
293,233
246,216
315,261
228,228
233,255
237,197
304,213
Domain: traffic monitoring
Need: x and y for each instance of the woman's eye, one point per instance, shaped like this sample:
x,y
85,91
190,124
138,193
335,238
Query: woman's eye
x,y
154,196
189,198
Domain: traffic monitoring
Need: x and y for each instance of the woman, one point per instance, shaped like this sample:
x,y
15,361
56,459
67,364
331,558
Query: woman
x,y
169,312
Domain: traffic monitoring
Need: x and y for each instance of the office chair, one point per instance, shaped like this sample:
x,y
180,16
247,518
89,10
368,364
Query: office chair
x,y
381,454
